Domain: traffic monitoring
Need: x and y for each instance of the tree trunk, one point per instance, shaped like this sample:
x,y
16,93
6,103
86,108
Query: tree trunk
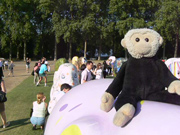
x,y
17,55
100,48
25,50
10,51
67,51
70,50
164,51
176,46
85,48
55,50
42,49
114,47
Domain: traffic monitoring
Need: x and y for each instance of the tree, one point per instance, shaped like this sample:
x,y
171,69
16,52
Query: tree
x,y
133,14
70,24
168,21
60,19
5,23
43,21
17,17
102,24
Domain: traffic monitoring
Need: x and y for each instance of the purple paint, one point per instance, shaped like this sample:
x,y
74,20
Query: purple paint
x,y
75,107
63,107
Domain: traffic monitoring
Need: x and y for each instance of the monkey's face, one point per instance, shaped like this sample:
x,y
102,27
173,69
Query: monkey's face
x,y
142,42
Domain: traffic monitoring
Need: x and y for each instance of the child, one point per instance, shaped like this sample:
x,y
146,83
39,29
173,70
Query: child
x,y
64,89
36,73
98,71
39,110
11,66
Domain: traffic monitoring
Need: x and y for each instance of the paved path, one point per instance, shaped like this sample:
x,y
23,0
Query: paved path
x,y
20,74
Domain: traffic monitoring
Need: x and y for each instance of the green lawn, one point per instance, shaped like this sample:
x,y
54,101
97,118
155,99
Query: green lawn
x,y
19,104
18,107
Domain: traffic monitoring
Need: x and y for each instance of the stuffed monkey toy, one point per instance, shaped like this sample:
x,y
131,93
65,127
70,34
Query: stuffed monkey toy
x,y
142,77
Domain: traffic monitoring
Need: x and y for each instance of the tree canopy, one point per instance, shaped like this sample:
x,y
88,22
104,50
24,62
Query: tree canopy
x,y
37,28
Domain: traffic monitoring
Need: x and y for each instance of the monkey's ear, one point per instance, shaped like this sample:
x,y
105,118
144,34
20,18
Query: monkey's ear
x,y
123,43
160,40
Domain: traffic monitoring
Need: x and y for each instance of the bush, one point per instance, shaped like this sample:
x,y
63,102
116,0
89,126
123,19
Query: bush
x,y
60,62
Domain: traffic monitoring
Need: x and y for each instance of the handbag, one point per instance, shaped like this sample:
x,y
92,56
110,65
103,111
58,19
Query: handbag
x,y
3,97
32,73
31,111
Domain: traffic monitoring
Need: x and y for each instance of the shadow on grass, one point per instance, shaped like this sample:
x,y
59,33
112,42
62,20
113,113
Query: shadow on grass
x,y
16,76
50,82
16,123
50,73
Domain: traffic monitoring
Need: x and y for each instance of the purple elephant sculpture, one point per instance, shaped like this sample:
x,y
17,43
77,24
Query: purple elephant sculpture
x,y
79,113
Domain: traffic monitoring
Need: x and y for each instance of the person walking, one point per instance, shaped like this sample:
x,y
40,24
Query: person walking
x,y
11,68
43,73
86,74
28,60
2,63
36,73
2,105
6,65
39,63
43,60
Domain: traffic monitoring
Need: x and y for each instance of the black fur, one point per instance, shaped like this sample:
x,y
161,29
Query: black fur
x,y
142,79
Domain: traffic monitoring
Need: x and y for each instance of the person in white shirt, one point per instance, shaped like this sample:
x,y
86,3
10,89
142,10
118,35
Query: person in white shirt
x,y
6,65
98,71
39,110
86,74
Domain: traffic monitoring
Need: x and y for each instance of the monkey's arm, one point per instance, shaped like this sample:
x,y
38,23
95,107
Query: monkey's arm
x,y
166,77
116,86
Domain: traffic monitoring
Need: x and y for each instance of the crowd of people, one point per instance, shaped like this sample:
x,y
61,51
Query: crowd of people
x,y
40,71
5,66
39,107
86,72
91,71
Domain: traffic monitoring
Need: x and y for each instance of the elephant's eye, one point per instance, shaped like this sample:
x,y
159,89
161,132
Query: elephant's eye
x,y
62,76
137,39
147,39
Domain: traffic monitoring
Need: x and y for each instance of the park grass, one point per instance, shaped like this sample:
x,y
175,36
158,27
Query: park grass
x,y
19,104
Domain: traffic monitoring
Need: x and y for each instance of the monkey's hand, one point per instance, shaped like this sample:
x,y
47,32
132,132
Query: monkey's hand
x,y
107,102
174,87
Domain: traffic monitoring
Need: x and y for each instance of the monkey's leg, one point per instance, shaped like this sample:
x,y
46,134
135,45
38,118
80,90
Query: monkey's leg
x,y
125,107
165,96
